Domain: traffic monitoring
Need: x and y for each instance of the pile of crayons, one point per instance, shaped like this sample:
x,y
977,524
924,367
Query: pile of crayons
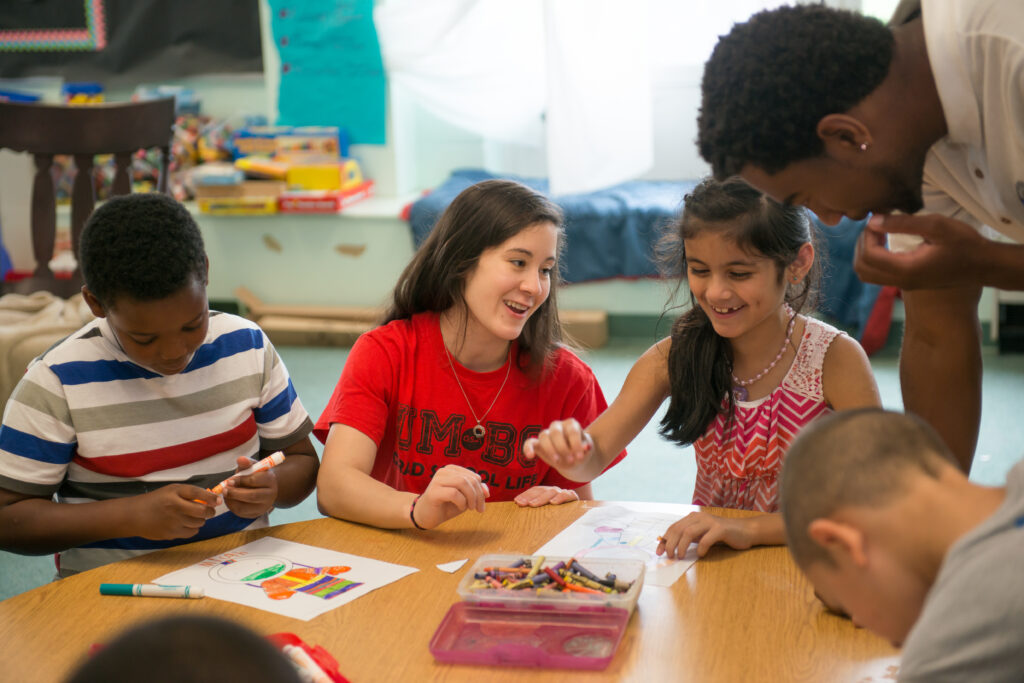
x,y
529,573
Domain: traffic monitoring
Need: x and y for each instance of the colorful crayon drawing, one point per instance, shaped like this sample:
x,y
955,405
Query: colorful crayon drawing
x,y
619,542
249,569
280,578
321,582
287,578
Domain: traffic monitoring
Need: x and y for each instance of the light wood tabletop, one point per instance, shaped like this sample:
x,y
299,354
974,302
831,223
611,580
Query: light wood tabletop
x,y
734,616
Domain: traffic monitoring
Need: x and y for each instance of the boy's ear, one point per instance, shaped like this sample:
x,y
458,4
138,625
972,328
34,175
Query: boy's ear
x,y
93,303
844,136
206,273
801,265
845,543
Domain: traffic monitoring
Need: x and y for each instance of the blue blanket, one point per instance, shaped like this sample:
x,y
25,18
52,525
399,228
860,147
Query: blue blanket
x,y
610,233
843,296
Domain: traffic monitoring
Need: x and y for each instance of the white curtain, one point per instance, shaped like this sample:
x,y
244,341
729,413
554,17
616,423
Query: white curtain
x,y
570,76
478,64
599,126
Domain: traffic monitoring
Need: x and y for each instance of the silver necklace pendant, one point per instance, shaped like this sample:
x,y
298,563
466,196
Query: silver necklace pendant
x,y
479,431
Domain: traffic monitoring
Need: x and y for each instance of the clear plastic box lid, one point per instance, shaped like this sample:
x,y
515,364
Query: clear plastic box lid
x,y
529,635
534,627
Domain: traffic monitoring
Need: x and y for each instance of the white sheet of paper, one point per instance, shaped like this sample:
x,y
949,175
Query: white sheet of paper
x,y
312,580
623,532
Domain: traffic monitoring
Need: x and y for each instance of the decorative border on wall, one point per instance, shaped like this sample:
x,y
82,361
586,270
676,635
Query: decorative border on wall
x,y
92,37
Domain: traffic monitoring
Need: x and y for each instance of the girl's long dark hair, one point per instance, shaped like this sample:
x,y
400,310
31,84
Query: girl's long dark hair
x,y
700,361
482,216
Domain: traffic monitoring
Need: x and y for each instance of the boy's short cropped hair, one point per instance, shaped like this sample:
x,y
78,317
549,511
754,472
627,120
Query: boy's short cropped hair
x,y
851,458
199,649
143,246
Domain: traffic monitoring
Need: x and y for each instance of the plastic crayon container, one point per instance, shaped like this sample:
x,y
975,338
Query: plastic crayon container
x,y
511,617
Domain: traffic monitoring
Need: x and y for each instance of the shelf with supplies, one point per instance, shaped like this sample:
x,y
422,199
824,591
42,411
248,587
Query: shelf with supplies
x,y
351,258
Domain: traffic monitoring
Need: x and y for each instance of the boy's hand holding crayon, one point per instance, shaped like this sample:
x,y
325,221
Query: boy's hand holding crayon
x,y
250,495
452,491
170,512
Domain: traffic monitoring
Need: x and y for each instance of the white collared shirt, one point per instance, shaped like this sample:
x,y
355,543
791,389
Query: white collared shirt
x,y
976,172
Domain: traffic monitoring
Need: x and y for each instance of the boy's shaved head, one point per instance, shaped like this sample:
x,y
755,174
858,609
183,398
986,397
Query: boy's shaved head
x,y
852,458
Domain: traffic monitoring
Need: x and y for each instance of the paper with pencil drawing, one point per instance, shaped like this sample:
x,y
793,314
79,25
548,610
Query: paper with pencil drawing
x,y
293,579
622,532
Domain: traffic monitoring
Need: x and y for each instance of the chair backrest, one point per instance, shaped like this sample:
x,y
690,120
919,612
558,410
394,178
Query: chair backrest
x,y
45,130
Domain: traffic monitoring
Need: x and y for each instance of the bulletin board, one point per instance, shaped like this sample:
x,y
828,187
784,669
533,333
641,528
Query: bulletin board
x,y
128,40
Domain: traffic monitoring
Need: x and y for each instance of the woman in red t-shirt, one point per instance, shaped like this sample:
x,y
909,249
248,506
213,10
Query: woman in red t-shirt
x,y
432,408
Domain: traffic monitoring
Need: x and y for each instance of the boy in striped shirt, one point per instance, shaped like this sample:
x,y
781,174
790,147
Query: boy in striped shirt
x,y
110,441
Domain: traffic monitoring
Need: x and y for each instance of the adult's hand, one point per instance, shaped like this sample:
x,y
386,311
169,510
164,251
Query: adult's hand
x,y
952,253
539,496
451,491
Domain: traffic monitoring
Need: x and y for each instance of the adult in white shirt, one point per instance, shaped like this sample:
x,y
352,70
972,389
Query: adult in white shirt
x,y
840,113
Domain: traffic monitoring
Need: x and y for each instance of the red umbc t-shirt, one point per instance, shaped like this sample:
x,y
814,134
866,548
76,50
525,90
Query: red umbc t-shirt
x,y
397,388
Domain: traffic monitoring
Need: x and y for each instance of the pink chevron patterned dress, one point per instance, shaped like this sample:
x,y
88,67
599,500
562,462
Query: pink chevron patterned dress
x,y
738,463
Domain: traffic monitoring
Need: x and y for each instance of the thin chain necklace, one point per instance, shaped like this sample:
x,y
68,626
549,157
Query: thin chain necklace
x,y
739,388
479,431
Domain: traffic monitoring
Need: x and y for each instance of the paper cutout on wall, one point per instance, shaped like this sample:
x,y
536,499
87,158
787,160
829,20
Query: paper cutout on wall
x,y
331,70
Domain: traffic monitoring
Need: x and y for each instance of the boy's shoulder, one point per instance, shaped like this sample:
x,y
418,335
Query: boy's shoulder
x,y
221,323
85,343
975,599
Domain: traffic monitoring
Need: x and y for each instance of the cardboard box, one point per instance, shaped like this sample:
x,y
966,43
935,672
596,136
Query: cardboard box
x,y
294,331
237,206
587,328
247,188
322,201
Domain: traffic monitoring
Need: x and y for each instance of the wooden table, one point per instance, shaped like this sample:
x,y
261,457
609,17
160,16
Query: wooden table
x,y
734,616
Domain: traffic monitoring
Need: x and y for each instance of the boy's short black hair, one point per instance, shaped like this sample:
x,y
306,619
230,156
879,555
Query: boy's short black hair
x,y
143,246
772,78
199,649
853,458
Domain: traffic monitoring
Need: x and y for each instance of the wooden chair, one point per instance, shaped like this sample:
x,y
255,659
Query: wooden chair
x,y
44,130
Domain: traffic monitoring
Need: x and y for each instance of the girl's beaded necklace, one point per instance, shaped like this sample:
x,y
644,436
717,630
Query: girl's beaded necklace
x,y
739,386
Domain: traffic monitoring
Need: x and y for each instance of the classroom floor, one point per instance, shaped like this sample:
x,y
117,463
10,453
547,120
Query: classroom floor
x,y
655,469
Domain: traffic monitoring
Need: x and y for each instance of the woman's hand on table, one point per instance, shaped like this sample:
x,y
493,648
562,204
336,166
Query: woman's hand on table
x,y
538,496
452,491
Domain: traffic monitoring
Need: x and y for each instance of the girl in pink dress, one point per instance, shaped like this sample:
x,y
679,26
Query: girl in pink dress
x,y
743,369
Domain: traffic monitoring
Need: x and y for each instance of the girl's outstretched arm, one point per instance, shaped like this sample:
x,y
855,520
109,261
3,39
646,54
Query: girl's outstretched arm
x,y
582,455
706,530
847,379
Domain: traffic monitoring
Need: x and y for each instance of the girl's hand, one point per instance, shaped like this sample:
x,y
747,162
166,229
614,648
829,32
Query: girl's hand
x,y
705,530
452,491
539,496
562,445
252,495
